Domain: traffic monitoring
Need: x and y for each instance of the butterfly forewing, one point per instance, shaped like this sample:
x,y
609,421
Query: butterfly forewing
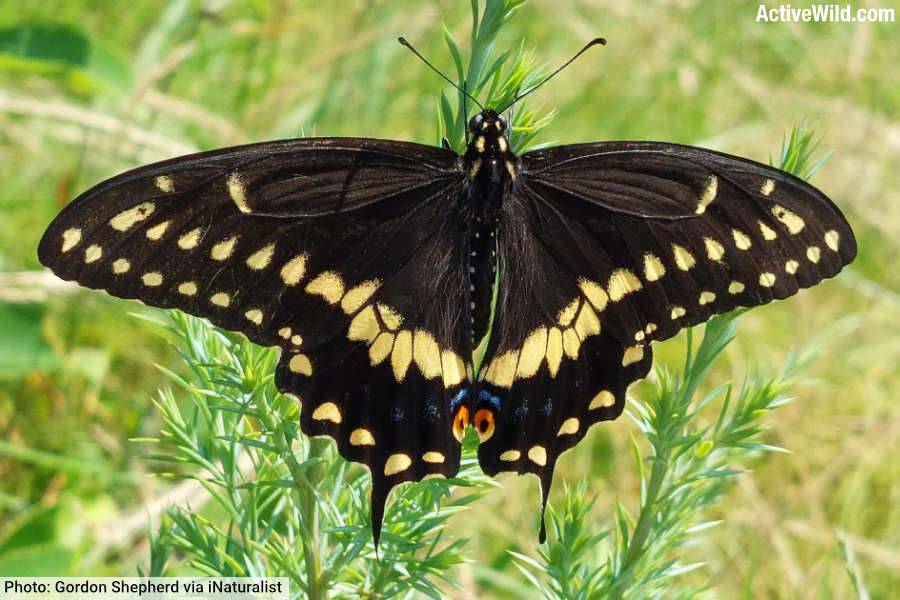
x,y
676,234
325,248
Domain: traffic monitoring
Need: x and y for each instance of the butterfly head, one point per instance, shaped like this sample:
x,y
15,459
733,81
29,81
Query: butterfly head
x,y
487,123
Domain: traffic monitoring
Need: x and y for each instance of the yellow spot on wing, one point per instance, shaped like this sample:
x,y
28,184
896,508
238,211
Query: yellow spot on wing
x,y
767,279
791,220
328,285
714,250
126,219
121,266
300,364
427,354
533,351
603,399
362,437
327,411
706,297
238,192
554,350
502,370
221,299
453,369
791,266
223,249
510,456
156,232
632,355
260,259
397,463
381,348
538,455
654,268
254,315
708,195
621,283
767,187
190,239
153,279
684,260
188,288
740,239
433,457
735,287
566,315
595,294
569,427
93,253
813,254
391,319
401,356
71,237
165,184
678,312
767,232
571,343
285,332
587,323
359,295
294,270
364,326
832,238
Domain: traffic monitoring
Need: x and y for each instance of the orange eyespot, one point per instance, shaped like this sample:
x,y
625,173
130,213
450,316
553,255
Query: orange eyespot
x,y
484,423
460,422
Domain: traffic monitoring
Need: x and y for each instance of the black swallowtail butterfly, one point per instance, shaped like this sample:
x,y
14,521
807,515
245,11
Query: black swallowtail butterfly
x,y
372,265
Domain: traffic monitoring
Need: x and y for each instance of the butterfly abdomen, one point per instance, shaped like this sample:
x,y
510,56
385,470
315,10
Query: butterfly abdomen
x,y
490,169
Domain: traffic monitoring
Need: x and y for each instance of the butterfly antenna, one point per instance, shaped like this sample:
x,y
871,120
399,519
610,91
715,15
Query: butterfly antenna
x,y
594,42
403,42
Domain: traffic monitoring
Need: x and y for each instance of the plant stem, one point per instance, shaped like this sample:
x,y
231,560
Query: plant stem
x,y
644,525
306,484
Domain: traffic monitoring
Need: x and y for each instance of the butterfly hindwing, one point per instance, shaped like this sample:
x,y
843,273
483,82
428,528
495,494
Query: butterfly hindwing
x,y
322,247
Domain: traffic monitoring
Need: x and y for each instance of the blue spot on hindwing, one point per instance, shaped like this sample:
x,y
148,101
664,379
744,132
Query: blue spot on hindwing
x,y
431,410
521,411
458,399
494,401
547,408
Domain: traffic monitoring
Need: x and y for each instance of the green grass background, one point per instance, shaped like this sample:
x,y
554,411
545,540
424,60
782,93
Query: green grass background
x,y
125,83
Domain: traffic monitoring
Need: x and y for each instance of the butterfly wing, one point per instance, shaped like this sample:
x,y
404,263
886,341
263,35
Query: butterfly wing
x,y
335,250
606,247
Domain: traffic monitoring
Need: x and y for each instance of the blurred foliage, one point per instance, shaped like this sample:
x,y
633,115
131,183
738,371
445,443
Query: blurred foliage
x,y
155,79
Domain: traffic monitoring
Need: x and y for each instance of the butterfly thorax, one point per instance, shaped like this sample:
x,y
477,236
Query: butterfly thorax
x,y
490,166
